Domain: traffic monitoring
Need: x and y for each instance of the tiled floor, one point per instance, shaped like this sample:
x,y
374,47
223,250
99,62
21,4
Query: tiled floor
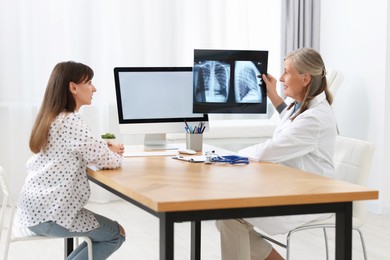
x,y
143,242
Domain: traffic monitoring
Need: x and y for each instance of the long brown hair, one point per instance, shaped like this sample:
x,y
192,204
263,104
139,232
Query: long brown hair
x,y
57,99
309,61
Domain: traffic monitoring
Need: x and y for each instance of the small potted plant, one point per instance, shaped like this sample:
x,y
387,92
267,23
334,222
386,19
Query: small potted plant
x,y
108,136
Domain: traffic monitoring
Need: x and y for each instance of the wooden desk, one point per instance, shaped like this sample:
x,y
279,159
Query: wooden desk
x,y
177,191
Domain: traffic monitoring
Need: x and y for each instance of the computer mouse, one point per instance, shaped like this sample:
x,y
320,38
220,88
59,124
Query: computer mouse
x,y
186,151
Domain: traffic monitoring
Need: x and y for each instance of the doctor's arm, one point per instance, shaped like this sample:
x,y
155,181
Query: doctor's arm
x,y
296,140
272,94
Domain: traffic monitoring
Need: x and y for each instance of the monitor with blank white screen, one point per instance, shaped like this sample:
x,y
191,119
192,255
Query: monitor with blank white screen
x,y
155,101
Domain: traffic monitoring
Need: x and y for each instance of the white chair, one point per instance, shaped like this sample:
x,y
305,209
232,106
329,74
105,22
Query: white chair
x,y
352,161
15,234
334,79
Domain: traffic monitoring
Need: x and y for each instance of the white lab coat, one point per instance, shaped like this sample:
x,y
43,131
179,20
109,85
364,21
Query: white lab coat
x,y
307,143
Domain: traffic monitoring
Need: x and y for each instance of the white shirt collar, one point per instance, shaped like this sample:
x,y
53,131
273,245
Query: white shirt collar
x,y
318,99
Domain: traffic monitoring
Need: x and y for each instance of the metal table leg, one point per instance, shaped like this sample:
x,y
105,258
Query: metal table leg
x,y
344,233
195,240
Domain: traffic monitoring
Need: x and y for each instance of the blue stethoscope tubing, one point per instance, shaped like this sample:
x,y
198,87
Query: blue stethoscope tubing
x,y
232,159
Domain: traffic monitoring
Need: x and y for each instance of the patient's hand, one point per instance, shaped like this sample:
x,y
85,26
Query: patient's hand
x,y
116,148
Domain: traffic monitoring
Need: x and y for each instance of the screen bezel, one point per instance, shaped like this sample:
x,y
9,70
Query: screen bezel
x,y
122,120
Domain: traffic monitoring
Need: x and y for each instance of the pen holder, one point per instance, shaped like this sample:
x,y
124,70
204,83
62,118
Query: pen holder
x,y
194,142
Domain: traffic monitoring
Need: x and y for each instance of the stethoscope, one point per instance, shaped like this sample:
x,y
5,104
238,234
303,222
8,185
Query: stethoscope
x,y
212,157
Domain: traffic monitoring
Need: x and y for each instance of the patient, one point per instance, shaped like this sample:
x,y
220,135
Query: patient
x,y
56,189
304,139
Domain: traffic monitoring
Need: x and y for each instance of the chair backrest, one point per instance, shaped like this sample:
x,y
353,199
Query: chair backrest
x,y
7,213
5,199
334,79
352,159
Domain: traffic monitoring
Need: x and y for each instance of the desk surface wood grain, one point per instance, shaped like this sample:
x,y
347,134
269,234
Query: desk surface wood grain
x,y
164,184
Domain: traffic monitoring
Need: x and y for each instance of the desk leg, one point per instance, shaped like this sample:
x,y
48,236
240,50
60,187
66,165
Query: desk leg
x,y
344,233
166,238
68,246
195,240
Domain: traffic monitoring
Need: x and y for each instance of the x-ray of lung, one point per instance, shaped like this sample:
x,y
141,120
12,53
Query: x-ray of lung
x,y
246,82
226,81
211,81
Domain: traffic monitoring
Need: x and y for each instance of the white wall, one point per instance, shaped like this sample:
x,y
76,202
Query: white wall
x,y
386,177
355,40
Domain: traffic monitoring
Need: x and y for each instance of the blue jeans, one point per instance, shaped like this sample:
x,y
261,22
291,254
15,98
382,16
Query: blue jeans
x,y
106,239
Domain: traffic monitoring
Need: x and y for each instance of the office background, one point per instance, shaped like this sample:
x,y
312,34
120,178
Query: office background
x,y
35,35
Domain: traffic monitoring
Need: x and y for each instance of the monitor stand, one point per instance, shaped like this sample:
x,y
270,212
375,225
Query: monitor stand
x,y
158,142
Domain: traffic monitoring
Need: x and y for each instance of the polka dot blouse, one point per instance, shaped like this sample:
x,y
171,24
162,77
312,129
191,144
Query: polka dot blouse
x,y
57,188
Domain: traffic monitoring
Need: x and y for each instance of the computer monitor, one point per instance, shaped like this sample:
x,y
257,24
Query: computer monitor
x,y
226,81
155,101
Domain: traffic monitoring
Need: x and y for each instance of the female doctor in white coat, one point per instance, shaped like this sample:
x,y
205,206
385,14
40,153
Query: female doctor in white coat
x,y
304,139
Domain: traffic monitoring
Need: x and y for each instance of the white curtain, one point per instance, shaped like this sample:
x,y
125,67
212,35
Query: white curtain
x,y
300,24
35,35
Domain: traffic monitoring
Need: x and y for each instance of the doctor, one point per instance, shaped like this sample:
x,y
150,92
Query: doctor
x,y
304,139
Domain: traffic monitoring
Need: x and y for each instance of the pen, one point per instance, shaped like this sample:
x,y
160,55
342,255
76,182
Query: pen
x,y
185,122
187,128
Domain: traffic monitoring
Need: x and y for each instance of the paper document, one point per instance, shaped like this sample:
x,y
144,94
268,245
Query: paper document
x,y
193,159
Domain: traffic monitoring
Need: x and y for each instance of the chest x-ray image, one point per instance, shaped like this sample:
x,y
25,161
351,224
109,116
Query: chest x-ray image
x,y
246,82
211,81
226,81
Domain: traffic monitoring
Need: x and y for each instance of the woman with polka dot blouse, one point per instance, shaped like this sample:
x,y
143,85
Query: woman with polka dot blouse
x,y
56,189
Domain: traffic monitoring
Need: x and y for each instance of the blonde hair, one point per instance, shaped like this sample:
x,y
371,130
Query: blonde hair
x,y
309,61
57,99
